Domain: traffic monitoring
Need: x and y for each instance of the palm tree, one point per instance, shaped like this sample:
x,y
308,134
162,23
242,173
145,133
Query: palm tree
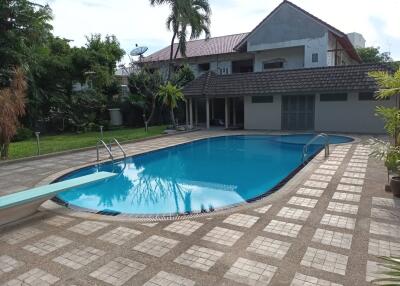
x,y
193,14
170,95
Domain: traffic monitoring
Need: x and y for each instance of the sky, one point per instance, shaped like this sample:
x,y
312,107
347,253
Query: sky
x,y
136,22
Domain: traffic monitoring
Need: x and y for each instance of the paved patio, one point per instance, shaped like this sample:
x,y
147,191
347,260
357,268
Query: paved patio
x,y
326,227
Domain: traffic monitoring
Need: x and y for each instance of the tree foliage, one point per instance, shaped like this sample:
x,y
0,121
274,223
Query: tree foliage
x,y
12,107
170,96
374,55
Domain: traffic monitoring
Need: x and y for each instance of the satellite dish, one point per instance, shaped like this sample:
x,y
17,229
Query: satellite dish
x,y
138,51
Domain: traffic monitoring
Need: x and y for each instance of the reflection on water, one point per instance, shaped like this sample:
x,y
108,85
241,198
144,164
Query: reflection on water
x,y
199,176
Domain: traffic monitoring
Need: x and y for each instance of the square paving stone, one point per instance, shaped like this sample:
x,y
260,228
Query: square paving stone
x,y
329,167
263,210
342,208
315,184
79,257
58,220
380,228
310,192
47,245
88,227
355,169
241,220
120,235
283,228
322,178
251,272
349,188
169,279
338,221
33,277
292,213
303,202
156,245
20,235
322,171
386,202
269,247
118,271
333,238
325,260
374,271
346,197
379,247
351,181
354,175
223,236
358,165
185,227
8,264
385,214
198,257
305,280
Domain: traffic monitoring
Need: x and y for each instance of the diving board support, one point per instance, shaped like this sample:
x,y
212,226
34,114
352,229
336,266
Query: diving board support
x,y
25,203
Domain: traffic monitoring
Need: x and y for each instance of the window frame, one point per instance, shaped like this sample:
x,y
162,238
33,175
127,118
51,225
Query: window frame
x,y
330,97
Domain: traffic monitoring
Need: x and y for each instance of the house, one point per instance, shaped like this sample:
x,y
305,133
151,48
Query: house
x,y
293,71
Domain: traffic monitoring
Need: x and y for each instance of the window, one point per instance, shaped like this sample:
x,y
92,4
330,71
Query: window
x,y
314,58
364,96
333,97
273,65
262,99
204,67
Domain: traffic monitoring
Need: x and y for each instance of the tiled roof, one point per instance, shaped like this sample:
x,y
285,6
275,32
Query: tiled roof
x,y
324,79
198,48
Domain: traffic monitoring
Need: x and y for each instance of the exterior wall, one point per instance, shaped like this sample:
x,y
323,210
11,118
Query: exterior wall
x,y
294,58
262,115
330,61
352,115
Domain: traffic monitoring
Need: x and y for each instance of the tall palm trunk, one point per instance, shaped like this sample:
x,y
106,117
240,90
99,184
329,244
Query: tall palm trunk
x,y
171,57
173,117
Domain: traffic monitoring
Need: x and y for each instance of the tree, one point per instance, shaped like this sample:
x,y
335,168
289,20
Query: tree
x,y
193,14
183,76
12,107
170,95
389,85
143,87
374,55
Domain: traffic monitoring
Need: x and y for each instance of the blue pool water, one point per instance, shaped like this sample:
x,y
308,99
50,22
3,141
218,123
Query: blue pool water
x,y
203,175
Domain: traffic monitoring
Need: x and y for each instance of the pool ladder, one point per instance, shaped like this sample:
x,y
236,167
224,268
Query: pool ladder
x,y
109,148
326,145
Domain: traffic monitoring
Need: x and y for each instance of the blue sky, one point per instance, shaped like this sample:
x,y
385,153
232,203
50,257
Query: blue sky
x,y
135,21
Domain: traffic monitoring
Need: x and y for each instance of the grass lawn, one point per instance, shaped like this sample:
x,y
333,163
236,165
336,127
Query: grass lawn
x,y
70,141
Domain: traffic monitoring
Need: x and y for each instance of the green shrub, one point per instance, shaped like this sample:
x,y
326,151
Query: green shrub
x,y
22,134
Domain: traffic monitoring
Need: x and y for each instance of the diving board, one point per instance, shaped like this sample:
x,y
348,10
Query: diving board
x,y
21,204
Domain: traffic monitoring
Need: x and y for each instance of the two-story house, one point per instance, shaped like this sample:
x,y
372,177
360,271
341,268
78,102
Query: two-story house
x,y
293,71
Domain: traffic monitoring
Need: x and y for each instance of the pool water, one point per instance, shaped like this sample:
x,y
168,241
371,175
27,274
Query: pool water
x,y
200,176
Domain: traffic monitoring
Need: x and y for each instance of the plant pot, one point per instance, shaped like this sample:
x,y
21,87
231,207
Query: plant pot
x,y
395,186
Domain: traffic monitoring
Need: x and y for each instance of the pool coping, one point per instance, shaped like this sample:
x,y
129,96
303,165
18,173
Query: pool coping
x,y
288,187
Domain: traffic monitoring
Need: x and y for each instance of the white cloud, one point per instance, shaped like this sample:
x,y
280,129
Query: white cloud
x,y
135,21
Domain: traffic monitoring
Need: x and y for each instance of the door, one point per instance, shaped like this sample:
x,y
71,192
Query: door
x,y
298,112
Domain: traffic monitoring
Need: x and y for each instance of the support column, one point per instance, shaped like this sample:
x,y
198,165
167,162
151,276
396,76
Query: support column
x,y
212,109
191,113
187,113
234,111
226,113
196,112
207,113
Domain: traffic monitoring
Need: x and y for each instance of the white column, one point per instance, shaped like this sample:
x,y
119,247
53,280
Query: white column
x,y
207,113
234,111
226,113
191,113
187,113
196,112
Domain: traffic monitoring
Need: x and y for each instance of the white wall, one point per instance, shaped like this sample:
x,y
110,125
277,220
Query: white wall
x,y
262,115
352,115
294,58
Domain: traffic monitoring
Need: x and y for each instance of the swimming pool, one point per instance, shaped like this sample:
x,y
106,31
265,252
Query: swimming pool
x,y
200,176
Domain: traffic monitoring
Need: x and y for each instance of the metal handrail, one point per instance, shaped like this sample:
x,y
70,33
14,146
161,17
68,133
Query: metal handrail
x,y
105,146
119,146
326,145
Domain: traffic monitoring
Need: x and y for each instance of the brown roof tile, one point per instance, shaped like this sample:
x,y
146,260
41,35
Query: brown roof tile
x,y
324,79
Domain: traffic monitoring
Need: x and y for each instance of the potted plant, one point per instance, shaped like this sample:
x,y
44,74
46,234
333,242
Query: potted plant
x,y
391,156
